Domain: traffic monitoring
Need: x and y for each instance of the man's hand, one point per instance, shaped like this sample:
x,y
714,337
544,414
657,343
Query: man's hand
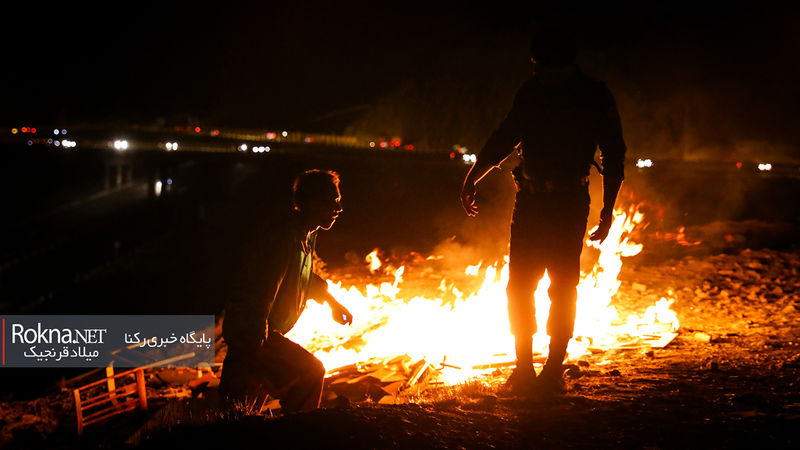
x,y
468,199
340,314
601,233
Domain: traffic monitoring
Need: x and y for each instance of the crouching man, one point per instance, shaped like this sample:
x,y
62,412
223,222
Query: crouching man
x,y
272,286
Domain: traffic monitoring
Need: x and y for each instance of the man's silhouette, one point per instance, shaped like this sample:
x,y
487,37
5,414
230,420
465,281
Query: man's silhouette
x,y
558,119
273,281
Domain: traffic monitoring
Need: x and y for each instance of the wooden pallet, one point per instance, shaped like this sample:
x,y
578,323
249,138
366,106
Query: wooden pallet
x,y
102,399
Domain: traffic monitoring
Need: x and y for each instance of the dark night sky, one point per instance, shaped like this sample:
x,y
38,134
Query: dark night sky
x,y
287,64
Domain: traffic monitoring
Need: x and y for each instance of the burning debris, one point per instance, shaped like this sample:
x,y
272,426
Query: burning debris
x,y
408,334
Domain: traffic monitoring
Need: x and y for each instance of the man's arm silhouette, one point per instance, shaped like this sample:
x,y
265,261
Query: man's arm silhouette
x,y
500,144
612,156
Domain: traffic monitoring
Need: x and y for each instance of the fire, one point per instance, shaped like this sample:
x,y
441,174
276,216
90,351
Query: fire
x,y
373,261
466,337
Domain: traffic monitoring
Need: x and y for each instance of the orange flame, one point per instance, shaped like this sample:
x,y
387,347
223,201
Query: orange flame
x,y
373,261
473,331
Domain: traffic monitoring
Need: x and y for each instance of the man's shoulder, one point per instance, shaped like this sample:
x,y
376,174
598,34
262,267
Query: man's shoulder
x,y
273,234
591,82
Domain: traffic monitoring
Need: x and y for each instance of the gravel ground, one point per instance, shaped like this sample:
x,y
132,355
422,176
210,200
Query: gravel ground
x,y
730,379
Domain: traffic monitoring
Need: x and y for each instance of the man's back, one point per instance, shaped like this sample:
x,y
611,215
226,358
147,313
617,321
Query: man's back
x,y
561,119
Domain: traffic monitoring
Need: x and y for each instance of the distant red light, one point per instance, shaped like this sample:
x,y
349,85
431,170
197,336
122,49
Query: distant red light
x,y
452,155
409,147
738,165
33,130
271,135
24,129
384,144
395,143
216,132
196,129
178,128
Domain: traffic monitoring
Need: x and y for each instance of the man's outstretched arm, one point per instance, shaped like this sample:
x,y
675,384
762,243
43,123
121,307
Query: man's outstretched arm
x,y
318,290
500,144
478,170
612,154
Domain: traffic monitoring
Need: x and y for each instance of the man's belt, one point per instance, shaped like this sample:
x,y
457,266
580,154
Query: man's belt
x,y
536,185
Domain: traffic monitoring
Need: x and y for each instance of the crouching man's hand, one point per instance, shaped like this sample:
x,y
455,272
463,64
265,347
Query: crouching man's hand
x,y
340,314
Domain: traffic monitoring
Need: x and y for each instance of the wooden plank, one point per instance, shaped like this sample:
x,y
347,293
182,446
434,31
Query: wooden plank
x,y
102,381
77,395
112,386
141,388
125,408
415,377
90,402
494,365
116,407
664,340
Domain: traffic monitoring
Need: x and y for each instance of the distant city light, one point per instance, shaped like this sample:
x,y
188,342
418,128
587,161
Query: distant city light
x,y
66,143
121,144
57,143
64,131
371,144
469,158
308,139
49,141
642,163
243,147
171,146
56,131
158,187
284,133
765,167
169,181
30,143
14,131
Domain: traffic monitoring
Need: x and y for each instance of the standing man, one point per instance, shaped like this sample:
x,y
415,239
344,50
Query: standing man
x,y
271,286
559,118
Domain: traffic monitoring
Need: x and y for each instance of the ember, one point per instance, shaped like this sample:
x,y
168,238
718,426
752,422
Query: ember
x,y
469,337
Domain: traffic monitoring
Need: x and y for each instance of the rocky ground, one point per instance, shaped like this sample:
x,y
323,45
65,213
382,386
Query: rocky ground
x,y
729,379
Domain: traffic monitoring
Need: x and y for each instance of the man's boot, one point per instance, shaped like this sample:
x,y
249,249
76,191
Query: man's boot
x,y
551,379
523,377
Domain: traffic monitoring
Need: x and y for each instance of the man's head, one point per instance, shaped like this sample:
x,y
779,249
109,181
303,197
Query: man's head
x,y
316,195
553,49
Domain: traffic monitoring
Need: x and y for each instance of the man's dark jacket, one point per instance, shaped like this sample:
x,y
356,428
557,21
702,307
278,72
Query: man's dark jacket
x,y
560,125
